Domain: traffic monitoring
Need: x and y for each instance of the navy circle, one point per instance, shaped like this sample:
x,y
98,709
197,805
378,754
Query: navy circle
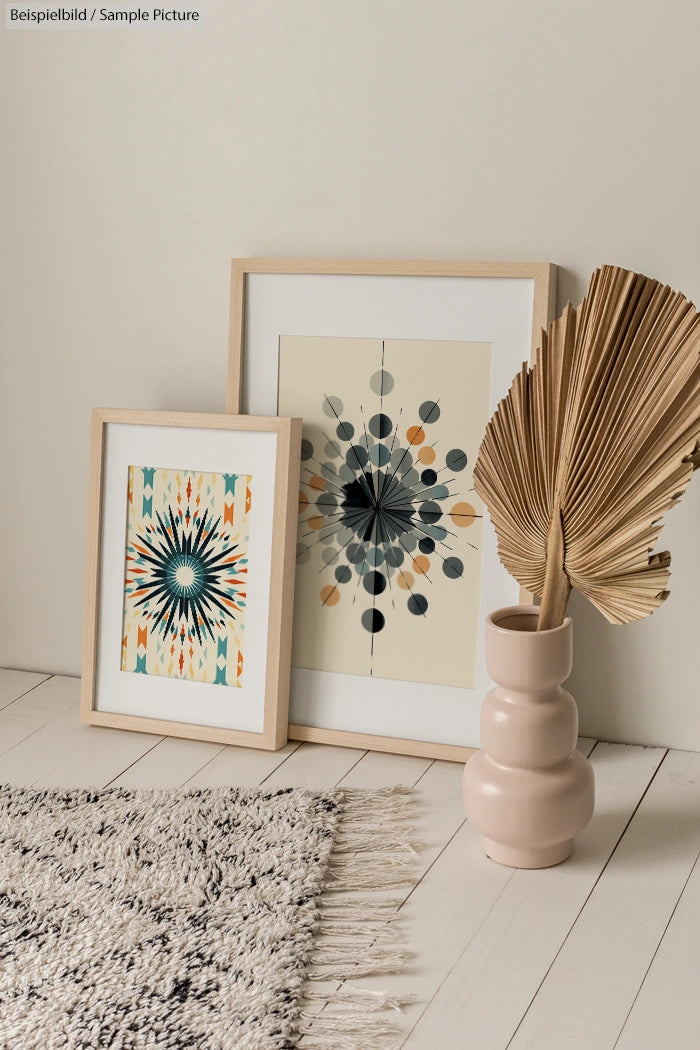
x,y
453,568
374,582
355,553
394,557
380,425
417,604
429,412
456,459
372,620
430,512
357,457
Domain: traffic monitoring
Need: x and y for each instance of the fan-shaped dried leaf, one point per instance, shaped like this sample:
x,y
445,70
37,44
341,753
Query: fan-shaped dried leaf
x,y
592,446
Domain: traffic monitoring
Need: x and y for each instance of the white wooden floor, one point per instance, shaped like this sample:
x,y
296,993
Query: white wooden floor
x,y
600,952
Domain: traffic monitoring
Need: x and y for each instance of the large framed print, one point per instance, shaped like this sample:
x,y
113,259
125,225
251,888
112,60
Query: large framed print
x,y
190,566
396,368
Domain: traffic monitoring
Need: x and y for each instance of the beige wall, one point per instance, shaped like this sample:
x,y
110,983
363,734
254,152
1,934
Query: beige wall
x,y
138,161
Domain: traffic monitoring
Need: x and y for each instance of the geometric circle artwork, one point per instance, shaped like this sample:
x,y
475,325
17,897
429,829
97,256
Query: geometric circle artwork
x,y
384,503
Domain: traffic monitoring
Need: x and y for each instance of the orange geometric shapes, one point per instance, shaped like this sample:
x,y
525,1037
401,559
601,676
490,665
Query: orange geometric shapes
x,y
317,483
230,561
330,595
463,515
415,435
421,564
142,637
405,579
303,502
239,667
427,455
317,522
228,513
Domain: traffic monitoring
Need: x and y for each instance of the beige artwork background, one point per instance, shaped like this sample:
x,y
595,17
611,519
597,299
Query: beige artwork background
x,y
179,653
439,647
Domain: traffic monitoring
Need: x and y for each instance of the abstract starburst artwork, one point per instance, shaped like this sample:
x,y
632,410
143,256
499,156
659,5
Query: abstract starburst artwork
x,y
390,530
186,576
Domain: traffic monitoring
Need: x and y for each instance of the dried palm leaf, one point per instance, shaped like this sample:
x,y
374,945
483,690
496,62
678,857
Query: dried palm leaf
x,y
593,444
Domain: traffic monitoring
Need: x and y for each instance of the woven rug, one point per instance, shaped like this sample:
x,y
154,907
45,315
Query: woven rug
x,y
197,919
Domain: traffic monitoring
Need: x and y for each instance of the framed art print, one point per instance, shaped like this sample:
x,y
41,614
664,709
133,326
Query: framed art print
x,y
396,369
189,582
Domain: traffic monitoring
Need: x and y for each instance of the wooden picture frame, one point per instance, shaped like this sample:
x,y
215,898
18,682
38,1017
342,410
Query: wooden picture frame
x,y
190,575
277,301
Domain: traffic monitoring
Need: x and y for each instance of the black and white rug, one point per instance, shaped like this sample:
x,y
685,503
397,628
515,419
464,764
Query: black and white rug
x,y
191,919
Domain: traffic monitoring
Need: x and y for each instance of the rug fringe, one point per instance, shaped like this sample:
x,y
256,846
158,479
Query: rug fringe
x,y
350,996
358,932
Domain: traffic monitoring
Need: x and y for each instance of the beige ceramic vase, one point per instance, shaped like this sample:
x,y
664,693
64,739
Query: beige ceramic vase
x,y
528,791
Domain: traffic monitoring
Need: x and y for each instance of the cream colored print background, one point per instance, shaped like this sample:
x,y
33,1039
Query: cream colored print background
x,y
186,579
390,529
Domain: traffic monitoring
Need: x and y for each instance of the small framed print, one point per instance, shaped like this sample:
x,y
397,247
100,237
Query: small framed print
x,y
190,574
396,368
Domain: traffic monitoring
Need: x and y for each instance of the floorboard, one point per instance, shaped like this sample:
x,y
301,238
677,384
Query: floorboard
x,y
169,764
13,731
49,700
318,766
668,1000
14,684
241,766
600,953
602,963
487,978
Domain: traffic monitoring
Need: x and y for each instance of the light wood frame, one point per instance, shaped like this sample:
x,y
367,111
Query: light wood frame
x,y
543,277
280,600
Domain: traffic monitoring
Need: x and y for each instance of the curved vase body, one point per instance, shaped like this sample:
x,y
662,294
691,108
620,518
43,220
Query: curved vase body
x,y
528,791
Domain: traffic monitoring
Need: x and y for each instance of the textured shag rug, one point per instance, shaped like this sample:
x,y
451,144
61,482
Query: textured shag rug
x,y
197,919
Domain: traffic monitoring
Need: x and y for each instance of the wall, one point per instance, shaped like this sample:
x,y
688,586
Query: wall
x,y
139,160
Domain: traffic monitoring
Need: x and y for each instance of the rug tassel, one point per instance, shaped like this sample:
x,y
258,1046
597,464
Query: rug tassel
x,y
355,905
349,996
358,932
